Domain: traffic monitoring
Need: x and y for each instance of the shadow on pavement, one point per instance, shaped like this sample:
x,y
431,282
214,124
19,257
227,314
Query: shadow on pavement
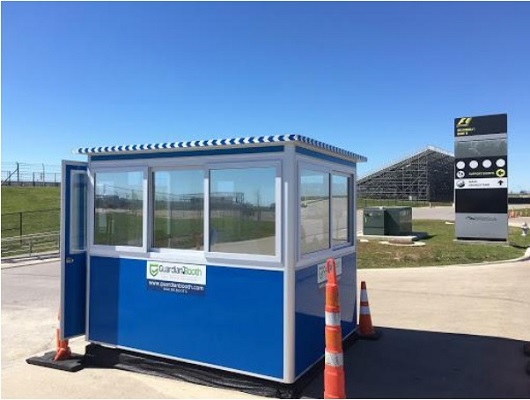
x,y
419,364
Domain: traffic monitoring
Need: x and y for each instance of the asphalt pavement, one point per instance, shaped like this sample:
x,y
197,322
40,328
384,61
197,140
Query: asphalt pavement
x,y
453,332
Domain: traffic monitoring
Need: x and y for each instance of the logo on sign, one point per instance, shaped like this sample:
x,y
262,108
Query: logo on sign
x,y
463,126
153,269
463,122
185,273
482,219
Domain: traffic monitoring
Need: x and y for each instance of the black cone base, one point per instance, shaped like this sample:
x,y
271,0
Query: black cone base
x,y
73,364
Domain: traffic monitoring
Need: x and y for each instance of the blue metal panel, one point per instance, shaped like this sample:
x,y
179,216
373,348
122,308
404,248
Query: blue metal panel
x,y
236,323
103,299
74,301
73,273
309,306
188,153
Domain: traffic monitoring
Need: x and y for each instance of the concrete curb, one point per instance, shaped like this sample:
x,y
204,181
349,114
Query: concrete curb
x,y
27,263
525,257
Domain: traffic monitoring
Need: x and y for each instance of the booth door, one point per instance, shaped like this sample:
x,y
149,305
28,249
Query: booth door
x,y
73,248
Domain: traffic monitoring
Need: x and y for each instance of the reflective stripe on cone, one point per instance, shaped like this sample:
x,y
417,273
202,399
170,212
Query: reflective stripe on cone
x,y
334,385
366,329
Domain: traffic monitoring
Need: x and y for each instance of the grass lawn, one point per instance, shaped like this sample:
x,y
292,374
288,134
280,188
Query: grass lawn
x,y
18,199
39,207
440,249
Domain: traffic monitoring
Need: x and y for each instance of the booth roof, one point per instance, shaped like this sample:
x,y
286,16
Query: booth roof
x,y
221,143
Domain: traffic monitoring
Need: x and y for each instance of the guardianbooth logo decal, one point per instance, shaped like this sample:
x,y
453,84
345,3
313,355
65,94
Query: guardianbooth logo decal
x,y
176,278
153,269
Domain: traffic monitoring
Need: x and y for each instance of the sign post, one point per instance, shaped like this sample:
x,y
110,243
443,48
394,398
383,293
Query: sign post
x,y
481,177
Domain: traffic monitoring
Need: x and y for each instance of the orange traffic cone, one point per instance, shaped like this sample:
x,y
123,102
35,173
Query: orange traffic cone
x,y
366,329
334,384
63,351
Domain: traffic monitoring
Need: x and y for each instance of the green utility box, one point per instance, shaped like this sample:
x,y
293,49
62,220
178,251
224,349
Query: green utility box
x,y
374,221
387,221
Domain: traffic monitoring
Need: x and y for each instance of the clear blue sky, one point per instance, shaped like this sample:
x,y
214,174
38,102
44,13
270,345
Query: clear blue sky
x,y
380,79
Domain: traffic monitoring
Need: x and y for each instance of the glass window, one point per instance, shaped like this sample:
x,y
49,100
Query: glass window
x,y
314,223
178,208
243,211
78,211
340,209
118,208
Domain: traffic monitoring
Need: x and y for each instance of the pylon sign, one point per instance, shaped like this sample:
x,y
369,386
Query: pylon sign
x,y
481,177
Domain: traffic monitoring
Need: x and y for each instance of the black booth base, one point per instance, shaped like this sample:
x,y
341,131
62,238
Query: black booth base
x,y
73,364
105,357
98,356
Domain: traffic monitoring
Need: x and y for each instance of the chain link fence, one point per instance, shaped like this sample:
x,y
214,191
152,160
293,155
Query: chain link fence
x,y
23,174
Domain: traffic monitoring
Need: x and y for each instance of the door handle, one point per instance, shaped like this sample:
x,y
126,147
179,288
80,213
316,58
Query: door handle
x,y
69,260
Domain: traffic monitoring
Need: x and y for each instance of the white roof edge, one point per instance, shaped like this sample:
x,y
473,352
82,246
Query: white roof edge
x,y
221,143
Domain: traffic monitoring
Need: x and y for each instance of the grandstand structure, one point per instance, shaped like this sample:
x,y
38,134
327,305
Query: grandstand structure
x,y
426,175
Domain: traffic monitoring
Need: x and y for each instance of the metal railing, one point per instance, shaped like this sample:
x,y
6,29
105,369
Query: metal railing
x,y
29,245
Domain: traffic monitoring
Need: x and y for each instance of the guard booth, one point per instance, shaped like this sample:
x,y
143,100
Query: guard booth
x,y
210,252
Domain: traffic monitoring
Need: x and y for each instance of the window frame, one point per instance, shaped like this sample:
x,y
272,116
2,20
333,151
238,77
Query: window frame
x,y
278,160
151,220
321,169
350,208
113,249
303,163
276,258
71,250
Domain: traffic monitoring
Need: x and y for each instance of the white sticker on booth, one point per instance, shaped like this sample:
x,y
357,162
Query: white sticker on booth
x,y
321,270
171,272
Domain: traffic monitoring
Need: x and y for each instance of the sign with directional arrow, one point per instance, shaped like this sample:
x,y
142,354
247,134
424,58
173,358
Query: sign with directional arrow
x,y
481,177
483,183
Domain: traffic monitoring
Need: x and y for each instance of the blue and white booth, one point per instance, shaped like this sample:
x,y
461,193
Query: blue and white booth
x,y
210,252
